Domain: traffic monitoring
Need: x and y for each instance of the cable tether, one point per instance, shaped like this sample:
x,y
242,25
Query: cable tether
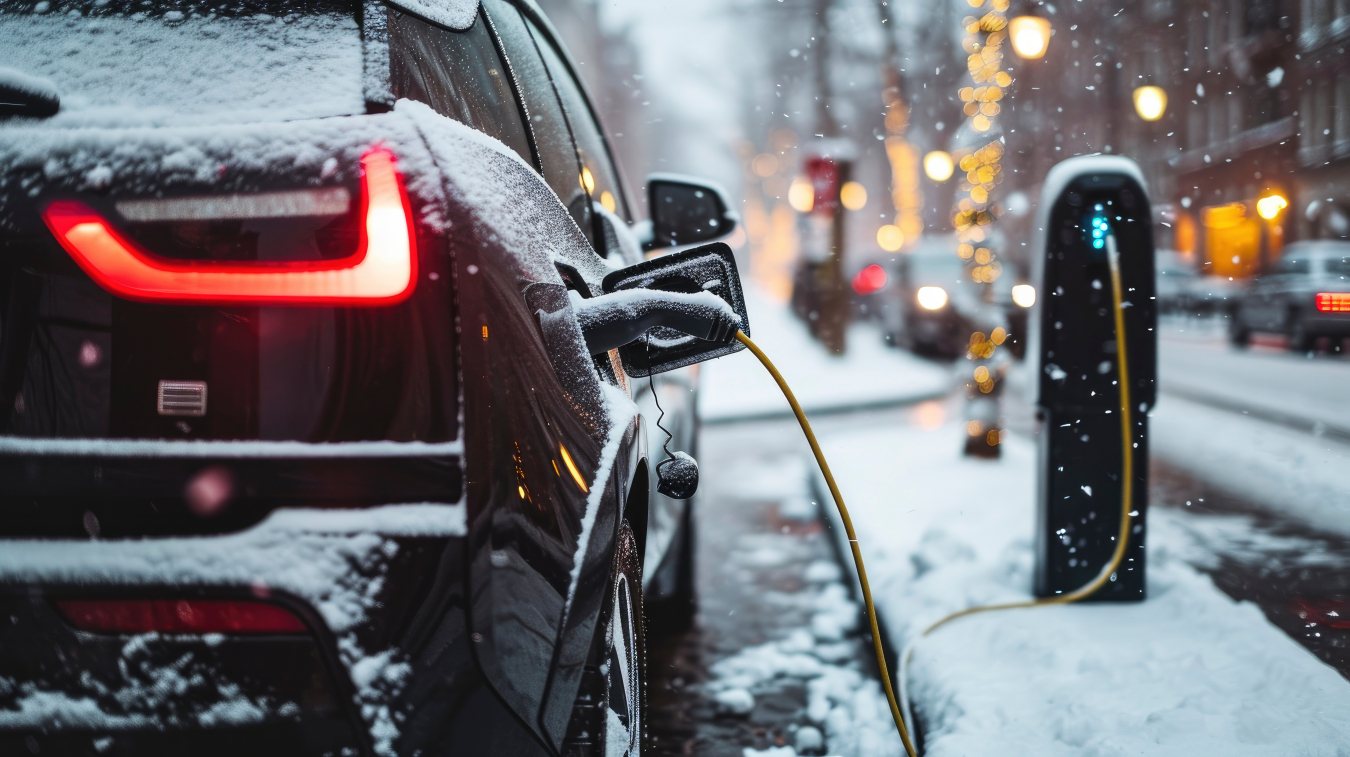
x,y
848,529
1122,539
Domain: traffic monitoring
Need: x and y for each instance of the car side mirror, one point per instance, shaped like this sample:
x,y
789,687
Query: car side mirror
x,y
711,269
686,210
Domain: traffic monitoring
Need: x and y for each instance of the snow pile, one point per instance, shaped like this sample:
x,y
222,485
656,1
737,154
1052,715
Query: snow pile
x,y
335,560
160,686
846,705
871,373
1187,672
177,69
456,14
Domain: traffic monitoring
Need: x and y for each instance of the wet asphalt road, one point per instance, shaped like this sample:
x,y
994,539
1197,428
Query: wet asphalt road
x,y
1300,578
751,557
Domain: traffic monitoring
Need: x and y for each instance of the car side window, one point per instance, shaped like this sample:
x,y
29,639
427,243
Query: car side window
x,y
597,171
1293,266
459,74
1338,266
548,124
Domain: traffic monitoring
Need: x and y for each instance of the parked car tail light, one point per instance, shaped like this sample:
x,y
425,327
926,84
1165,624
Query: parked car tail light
x,y
207,250
188,616
870,279
932,298
1333,302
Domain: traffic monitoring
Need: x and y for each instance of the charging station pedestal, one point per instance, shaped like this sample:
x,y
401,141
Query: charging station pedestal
x,y
1078,407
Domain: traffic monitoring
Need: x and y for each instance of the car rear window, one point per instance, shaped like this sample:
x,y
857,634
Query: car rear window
x,y
164,61
459,74
1338,266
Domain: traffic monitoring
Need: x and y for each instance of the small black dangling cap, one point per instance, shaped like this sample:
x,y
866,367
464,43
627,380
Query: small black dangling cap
x,y
677,477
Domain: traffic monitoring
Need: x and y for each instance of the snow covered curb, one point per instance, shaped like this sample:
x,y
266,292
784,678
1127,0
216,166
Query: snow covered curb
x,y
1187,672
737,387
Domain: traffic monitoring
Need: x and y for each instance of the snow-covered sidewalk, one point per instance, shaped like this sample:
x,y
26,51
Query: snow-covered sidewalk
x,y
869,374
1187,672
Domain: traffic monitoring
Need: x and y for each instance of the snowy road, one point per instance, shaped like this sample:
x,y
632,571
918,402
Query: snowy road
x,y
776,662
1196,363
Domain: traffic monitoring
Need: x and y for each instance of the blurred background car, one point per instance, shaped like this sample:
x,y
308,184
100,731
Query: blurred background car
x,y
1305,298
935,306
1177,282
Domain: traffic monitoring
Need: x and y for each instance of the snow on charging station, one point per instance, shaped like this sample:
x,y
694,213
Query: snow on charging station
x,y
1092,208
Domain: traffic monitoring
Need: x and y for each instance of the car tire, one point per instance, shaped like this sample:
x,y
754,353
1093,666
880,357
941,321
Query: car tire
x,y
1238,335
1300,341
611,705
674,611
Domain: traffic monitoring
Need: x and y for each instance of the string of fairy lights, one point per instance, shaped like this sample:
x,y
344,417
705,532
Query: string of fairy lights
x,y
976,211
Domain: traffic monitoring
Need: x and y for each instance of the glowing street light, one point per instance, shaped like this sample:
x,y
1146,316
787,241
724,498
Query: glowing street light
x,y
853,195
1269,207
1030,36
938,165
1150,102
801,195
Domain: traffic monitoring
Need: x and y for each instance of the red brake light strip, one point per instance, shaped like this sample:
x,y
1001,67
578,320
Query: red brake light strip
x,y
188,616
383,270
1333,302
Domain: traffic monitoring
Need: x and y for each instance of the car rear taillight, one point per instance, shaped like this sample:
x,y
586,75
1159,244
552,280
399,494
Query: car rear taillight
x,y
186,616
378,266
1333,302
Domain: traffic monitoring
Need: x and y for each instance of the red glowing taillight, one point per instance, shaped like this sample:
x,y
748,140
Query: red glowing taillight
x,y
870,279
382,270
1333,302
186,616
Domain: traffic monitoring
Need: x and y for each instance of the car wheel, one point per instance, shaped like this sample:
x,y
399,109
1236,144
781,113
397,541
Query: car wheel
x,y
1238,334
674,609
1299,338
610,708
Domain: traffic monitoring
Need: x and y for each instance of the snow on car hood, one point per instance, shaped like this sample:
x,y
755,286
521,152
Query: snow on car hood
x,y
121,69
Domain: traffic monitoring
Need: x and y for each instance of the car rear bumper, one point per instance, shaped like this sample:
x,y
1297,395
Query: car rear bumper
x,y
351,576
1328,324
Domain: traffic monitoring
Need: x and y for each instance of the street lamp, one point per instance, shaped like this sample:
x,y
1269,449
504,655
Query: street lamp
x,y
1150,102
1269,207
1030,36
938,165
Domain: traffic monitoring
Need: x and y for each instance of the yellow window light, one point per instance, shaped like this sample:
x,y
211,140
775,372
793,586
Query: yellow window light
x,y
853,195
607,200
587,180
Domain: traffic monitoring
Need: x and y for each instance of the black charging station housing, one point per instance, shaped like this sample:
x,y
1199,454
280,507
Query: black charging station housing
x,y
1078,406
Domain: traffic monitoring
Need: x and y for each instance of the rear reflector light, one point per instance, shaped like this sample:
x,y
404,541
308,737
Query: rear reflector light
x,y
190,616
1333,302
381,271
300,203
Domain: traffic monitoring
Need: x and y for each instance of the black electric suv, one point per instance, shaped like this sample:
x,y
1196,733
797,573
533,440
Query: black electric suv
x,y
305,447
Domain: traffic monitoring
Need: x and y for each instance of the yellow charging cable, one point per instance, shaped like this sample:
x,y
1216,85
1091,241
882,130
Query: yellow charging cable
x,y
1127,485
848,528
1127,497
